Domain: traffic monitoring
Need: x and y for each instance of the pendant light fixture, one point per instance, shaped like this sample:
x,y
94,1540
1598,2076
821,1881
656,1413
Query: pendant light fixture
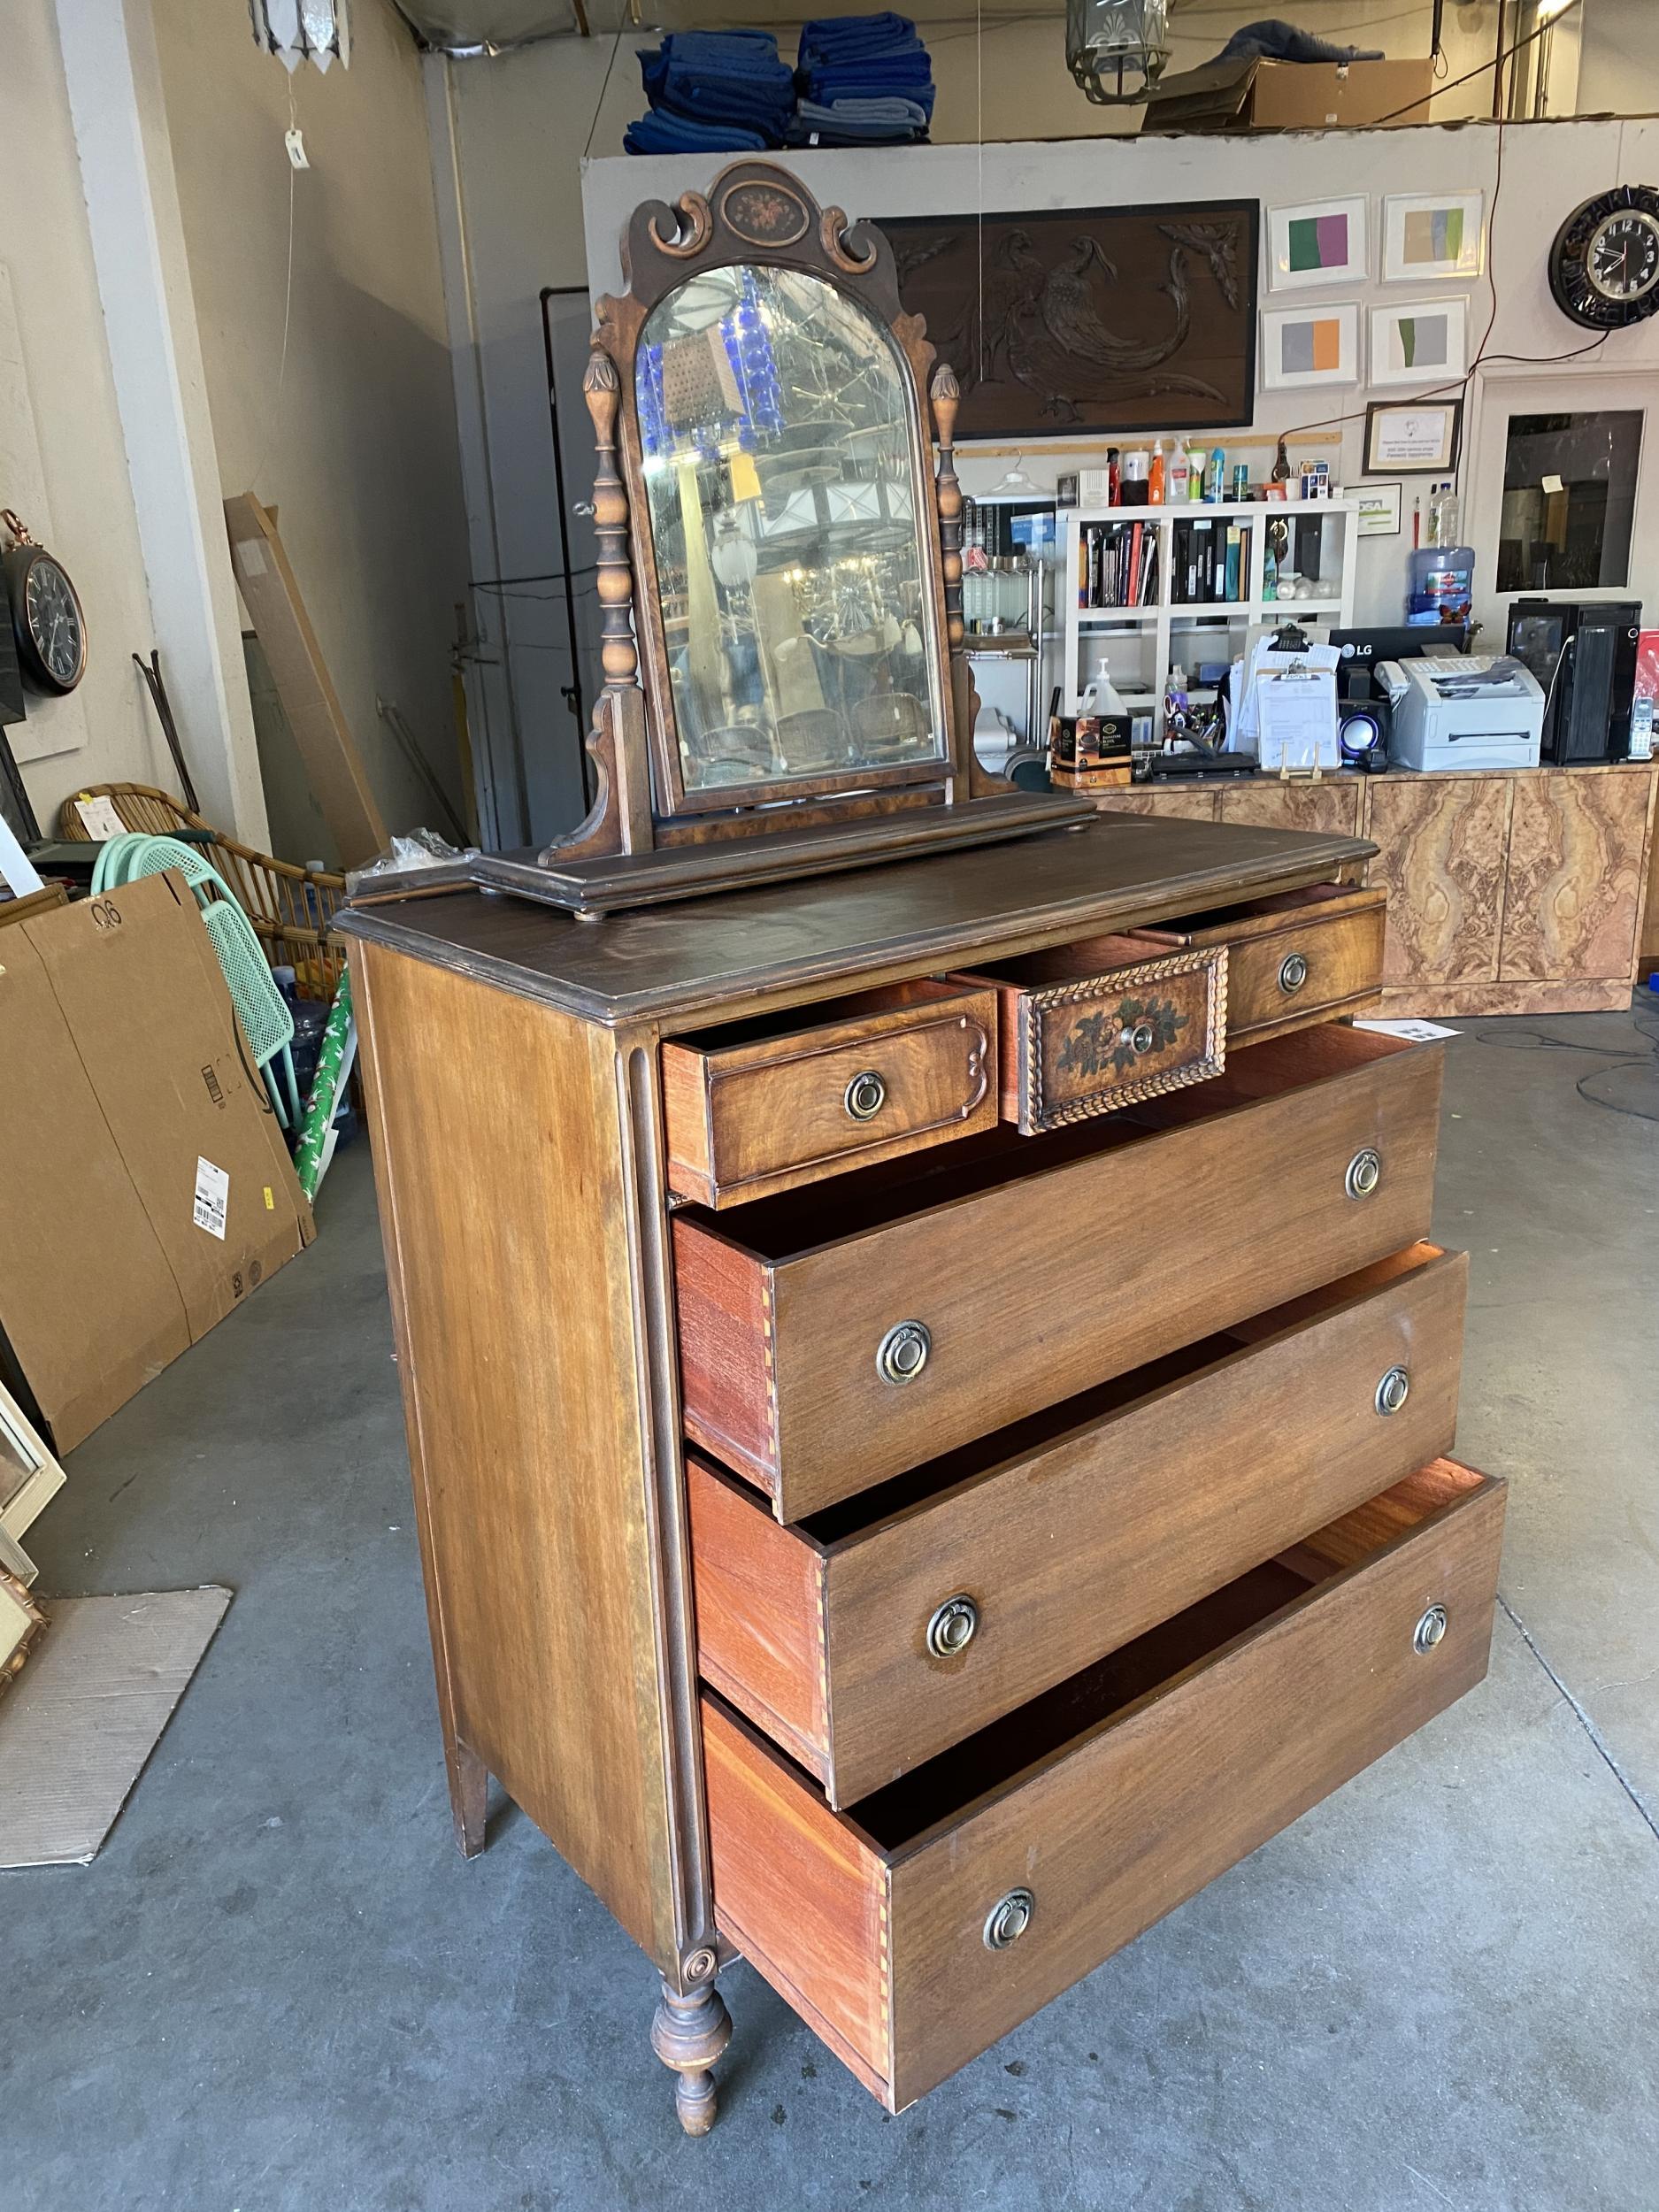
x,y
302,30
1116,49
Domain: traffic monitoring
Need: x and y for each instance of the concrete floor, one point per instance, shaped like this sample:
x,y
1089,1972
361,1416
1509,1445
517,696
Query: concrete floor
x,y
279,1989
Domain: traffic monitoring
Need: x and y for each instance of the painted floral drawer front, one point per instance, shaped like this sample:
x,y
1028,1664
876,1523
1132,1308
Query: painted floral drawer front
x,y
1107,1042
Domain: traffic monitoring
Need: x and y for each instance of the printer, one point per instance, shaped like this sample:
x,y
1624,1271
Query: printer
x,y
1467,710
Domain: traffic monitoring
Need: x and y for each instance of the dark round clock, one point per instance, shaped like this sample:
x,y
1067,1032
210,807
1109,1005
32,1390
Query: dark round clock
x,y
46,617
1604,265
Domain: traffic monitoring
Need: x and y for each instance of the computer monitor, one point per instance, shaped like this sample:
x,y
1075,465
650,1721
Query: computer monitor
x,y
1408,643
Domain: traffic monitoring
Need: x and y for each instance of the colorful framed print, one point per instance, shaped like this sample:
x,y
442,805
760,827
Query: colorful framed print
x,y
1379,507
1411,440
1320,241
1308,345
1422,343
1431,234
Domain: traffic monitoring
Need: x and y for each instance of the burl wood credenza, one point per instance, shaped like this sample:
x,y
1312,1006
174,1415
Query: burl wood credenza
x,y
927,1386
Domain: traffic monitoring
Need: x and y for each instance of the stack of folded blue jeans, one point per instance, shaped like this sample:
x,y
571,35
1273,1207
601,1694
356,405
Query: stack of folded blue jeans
x,y
711,92
865,80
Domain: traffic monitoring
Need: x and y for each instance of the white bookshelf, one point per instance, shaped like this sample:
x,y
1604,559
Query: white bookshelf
x,y
1155,634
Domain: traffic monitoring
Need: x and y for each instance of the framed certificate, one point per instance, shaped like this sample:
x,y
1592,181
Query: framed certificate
x,y
1419,440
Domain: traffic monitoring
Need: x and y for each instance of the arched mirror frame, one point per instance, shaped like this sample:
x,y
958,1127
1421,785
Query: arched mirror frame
x,y
756,213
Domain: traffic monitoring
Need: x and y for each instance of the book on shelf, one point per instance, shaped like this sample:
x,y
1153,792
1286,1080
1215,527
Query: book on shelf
x,y
1212,560
1117,564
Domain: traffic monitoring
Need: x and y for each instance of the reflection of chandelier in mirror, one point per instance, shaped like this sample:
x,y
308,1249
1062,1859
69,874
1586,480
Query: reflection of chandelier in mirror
x,y
1116,49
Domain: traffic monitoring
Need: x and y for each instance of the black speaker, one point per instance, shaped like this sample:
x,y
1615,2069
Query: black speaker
x,y
1583,652
1363,728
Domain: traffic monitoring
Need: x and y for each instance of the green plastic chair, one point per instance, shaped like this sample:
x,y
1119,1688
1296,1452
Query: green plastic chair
x,y
267,1019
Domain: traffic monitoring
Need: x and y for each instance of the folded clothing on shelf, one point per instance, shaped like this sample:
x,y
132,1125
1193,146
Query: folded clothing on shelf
x,y
864,80
659,131
729,85
891,121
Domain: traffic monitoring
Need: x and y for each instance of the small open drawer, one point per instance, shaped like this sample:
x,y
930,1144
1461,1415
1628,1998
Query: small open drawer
x,y
1090,1027
1297,957
873,1636
762,1106
913,1932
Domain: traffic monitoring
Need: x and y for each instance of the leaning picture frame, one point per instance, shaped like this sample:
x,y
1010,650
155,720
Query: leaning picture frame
x,y
30,1476
1412,438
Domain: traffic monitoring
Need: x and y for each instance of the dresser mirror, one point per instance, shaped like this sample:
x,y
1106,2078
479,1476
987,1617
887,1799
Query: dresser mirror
x,y
785,486
780,577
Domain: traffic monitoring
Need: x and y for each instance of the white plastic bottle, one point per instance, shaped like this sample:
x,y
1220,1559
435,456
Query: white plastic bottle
x,y
1101,696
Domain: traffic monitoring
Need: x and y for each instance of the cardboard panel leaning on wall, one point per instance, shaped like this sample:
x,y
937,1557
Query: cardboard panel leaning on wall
x,y
144,1187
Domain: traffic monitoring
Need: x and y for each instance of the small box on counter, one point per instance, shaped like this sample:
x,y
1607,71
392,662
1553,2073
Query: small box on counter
x,y
1089,752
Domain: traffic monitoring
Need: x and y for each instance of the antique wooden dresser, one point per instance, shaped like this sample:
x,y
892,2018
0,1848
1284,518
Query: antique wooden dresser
x,y
927,1385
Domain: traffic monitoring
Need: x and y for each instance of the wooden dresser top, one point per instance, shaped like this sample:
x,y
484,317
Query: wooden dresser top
x,y
719,957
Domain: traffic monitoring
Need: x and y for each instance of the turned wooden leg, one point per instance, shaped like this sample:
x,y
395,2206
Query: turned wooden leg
x,y
469,1788
688,2034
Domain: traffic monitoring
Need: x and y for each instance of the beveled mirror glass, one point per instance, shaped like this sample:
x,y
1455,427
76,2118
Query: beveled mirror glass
x,y
783,480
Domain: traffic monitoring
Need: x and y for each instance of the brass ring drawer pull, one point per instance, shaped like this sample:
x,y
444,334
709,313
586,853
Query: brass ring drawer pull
x,y
865,1095
902,1352
952,1627
1428,1632
1365,1172
1293,973
1008,1919
1392,1390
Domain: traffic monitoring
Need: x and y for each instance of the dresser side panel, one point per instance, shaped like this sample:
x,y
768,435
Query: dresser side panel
x,y
501,1163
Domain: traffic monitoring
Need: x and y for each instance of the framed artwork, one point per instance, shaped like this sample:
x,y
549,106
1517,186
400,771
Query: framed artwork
x,y
1062,322
1428,235
1308,345
1411,439
1380,510
1320,241
1422,343
29,1476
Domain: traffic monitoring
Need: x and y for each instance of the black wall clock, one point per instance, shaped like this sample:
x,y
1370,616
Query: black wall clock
x,y
46,620
1604,265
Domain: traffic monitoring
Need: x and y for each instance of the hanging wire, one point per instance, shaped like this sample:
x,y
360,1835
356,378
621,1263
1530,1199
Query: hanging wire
x,y
287,311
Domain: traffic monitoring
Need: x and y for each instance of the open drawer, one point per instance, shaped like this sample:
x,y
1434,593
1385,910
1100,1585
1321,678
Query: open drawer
x,y
1296,957
837,1335
884,1630
1091,1028
946,1908
761,1106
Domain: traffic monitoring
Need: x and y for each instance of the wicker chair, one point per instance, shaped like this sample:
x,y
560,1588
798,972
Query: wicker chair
x,y
289,907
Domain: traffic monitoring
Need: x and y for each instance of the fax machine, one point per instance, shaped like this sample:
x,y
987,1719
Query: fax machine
x,y
1469,711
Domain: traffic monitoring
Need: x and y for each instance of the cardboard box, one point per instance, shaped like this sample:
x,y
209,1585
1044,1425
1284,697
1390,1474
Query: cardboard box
x,y
145,1188
1254,95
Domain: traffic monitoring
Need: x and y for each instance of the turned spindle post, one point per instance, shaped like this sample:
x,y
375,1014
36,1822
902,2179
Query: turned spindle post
x,y
946,394
689,2034
618,655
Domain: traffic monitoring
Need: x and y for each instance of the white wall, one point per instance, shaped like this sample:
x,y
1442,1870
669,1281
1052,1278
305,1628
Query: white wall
x,y
358,450
509,138
1548,168
48,250
1618,58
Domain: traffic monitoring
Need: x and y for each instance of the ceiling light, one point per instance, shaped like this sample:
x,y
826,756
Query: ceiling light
x,y
1116,49
302,30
